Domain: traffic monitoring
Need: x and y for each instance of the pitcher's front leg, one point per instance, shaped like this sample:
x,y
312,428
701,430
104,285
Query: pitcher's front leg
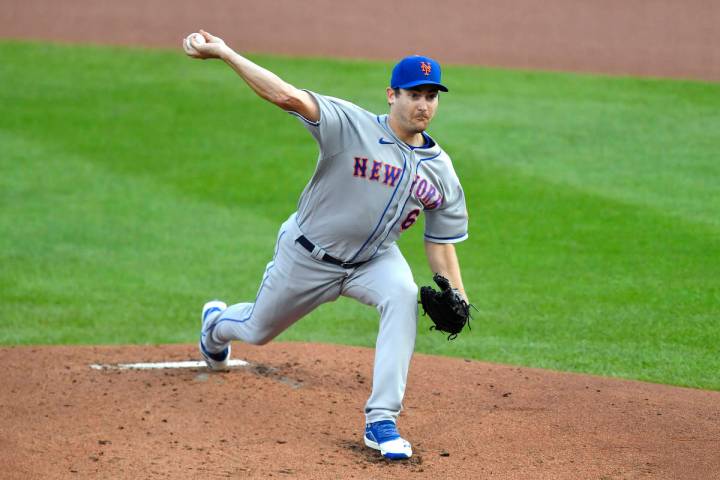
x,y
387,284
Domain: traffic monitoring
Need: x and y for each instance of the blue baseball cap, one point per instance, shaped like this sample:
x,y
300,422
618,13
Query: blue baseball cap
x,y
416,70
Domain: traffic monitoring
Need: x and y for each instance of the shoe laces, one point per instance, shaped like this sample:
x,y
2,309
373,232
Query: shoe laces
x,y
386,430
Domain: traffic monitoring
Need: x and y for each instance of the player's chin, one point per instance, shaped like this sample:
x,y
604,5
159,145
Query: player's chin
x,y
421,124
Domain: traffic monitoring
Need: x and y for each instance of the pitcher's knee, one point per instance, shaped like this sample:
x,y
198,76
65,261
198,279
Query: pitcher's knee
x,y
409,290
405,292
261,337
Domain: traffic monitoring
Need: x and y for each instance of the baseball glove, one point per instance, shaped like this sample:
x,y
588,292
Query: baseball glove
x,y
446,308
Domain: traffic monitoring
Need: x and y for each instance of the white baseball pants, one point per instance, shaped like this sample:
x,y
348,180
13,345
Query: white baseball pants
x,y
295,283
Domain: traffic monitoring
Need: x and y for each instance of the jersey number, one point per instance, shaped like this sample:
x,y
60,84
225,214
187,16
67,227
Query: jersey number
x,y
410,219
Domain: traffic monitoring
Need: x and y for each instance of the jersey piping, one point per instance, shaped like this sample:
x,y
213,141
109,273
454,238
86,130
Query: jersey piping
x,y
456,237
417,169
382,215
303,118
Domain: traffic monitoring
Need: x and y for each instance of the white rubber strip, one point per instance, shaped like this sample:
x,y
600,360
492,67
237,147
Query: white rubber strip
x,y
161,365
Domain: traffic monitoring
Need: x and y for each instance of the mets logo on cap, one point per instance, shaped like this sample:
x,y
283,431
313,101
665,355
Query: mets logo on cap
x,y
417,70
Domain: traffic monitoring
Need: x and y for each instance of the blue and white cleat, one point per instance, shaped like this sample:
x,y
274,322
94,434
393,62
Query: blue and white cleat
x,y
210,313
383,436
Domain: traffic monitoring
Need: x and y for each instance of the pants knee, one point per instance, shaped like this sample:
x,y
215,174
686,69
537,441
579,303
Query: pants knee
x,y
413,290
260,338
404,294
407,291
262,334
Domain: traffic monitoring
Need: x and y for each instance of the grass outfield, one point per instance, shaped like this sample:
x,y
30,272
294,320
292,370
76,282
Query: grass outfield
x,y
135,184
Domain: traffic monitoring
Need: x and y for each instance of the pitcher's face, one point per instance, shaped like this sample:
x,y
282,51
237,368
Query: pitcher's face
x,y
413,109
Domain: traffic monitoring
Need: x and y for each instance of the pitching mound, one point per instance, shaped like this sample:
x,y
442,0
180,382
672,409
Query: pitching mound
x,y
295,411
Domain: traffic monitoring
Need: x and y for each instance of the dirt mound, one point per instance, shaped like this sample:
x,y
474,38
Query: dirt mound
x,y
296,412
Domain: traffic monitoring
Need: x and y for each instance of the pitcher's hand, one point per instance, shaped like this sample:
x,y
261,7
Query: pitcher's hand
x,y
214,47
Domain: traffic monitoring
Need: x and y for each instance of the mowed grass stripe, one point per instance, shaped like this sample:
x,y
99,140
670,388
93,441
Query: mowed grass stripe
x,y
136,184
91,256
644,141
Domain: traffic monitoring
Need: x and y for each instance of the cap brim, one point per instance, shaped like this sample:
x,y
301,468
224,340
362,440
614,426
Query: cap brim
x,y
417,83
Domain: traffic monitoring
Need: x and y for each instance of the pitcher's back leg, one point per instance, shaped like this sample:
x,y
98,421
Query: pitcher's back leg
x,y
293,285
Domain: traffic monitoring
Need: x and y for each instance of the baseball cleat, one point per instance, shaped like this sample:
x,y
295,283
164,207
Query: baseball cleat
x,y
210,313
383,436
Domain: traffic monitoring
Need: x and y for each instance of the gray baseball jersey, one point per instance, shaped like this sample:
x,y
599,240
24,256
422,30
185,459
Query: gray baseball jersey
x,y
368,187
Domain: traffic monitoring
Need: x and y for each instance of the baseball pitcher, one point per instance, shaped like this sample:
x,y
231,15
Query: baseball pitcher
x,y
375,174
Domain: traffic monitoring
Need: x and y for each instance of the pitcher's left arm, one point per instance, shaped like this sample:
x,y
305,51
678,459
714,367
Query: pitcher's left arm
x,y
443,260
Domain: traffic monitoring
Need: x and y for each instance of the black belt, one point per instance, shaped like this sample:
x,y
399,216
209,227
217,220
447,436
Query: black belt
x,y
310,247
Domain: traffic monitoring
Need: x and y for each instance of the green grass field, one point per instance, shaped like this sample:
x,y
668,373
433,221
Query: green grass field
x,y
136,184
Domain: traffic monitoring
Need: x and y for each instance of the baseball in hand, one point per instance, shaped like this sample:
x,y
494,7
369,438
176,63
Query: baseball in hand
x,y
188,46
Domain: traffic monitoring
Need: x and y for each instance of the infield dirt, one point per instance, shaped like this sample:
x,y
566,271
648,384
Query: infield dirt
x,y
666,38
296,412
